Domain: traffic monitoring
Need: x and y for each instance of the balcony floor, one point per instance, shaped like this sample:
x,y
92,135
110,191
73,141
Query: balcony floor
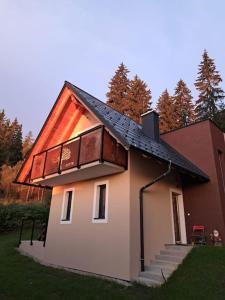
x,y
86,172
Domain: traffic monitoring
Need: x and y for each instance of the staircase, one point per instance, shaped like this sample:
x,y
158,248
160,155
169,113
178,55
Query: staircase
x,y
163,265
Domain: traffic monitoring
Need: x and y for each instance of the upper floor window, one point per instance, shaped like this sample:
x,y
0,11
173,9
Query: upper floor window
x,y
100,208
67,206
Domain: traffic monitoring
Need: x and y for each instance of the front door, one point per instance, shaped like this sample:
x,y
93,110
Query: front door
x,y
176,218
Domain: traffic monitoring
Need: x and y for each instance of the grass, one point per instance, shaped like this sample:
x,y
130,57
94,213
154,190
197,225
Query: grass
x,y
202,276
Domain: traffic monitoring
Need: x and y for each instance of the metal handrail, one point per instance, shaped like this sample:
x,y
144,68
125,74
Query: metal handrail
x,y
58,167
78,137
72,139
32,230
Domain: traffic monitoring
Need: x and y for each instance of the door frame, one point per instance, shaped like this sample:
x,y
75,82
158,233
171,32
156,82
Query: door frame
x,y
183,233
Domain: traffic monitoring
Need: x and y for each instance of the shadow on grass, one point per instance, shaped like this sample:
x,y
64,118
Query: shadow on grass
x,y
202,276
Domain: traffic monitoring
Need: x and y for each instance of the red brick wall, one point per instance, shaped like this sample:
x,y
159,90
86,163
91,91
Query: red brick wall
x,y
204,202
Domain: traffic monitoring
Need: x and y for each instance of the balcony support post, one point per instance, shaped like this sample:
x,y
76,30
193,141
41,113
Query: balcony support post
x,y
21,231
43,173
78,154
101,158
32,233
46,229
60,159
31,168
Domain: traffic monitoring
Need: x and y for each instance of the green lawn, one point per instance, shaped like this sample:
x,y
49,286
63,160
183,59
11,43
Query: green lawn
x,y
202,276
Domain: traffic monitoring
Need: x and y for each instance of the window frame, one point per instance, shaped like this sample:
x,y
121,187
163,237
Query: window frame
x,y
96,202
183,229
63,206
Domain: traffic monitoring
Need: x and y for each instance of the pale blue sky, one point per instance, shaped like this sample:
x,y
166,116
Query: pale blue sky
x,y
45,42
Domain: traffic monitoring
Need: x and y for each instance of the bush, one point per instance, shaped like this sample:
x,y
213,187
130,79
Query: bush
x,y
12,214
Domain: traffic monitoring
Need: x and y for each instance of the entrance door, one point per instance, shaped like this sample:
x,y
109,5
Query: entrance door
x,y
176,218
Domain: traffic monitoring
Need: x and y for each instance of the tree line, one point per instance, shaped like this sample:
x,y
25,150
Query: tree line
x,y
133,97
13,149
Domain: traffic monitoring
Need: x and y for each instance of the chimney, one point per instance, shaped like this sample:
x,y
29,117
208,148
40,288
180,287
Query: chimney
x,y
150,124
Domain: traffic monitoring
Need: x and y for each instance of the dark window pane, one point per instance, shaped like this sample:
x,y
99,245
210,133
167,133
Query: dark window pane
x,y
69,201
102,195
176,219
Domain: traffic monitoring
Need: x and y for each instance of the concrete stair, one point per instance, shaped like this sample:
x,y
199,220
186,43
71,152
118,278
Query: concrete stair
x,y
164,264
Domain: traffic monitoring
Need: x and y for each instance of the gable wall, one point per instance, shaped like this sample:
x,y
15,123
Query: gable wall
x,y
65,121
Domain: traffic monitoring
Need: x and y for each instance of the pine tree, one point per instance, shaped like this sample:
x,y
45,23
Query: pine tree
x,y
184,108
220,120
27,143
118,89
138,99
4,137
211,95
15,143
165,108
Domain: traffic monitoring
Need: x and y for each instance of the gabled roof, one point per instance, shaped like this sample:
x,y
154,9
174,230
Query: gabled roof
x,y
130,134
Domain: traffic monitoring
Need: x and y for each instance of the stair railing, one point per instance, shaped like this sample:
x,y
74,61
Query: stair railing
x,y
43,233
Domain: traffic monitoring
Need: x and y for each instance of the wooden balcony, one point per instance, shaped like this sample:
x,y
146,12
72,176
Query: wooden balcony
x,y
92,154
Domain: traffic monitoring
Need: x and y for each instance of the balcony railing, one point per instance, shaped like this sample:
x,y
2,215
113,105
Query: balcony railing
x,y
91,146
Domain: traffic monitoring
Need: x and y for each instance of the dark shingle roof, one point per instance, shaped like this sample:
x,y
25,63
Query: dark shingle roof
x,y
130,133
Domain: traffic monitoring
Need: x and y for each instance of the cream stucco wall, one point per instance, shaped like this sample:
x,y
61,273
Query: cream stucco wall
x,y
113,249
158,226
83,245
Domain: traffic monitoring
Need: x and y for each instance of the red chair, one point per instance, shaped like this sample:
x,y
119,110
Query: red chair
x,y
198,235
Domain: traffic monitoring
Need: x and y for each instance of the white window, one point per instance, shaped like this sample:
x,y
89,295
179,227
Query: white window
x,y
67,206
100,207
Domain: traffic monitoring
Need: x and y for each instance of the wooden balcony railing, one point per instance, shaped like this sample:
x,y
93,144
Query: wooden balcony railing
x,y
93,145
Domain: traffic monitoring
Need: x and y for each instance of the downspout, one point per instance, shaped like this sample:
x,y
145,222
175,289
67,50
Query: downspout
x,y
141,198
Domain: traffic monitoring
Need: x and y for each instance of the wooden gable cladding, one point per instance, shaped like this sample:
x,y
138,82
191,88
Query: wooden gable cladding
x,y
59,126
64,126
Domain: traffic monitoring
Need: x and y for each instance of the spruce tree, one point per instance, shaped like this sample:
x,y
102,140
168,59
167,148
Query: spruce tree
x,y
220,120
15,143
4,137
211,95
183,106
138,99
27,143
165,108
118,89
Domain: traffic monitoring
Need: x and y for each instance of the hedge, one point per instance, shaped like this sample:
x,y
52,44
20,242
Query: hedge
x,y
11,215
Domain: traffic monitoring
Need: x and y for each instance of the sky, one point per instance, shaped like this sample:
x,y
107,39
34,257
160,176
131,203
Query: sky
x,y
45,42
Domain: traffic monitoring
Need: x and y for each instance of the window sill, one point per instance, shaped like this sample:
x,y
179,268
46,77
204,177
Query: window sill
x,y
65,222
99,220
